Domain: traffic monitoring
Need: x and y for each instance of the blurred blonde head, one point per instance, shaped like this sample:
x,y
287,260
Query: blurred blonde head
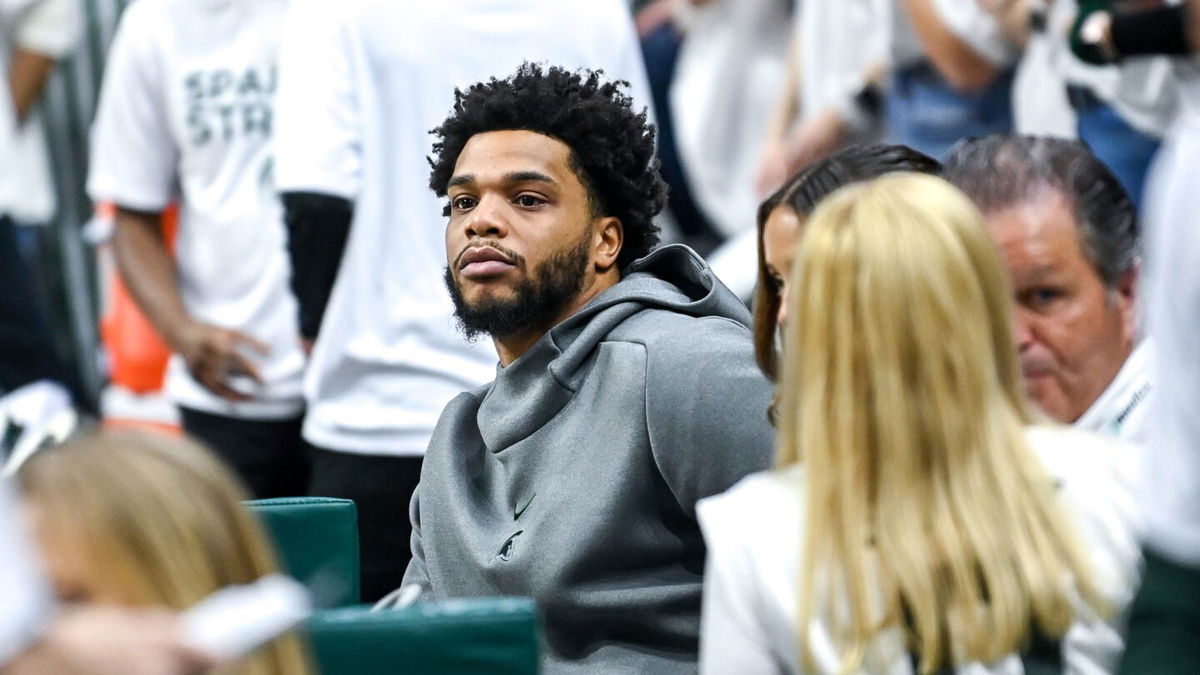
x,y
902,397
141,520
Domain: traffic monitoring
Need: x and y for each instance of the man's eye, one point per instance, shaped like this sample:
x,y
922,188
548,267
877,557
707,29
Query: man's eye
x,y
529,201
1040,297
462,203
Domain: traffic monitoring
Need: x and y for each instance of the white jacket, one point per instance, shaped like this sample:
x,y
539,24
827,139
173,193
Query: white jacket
x,y
755,532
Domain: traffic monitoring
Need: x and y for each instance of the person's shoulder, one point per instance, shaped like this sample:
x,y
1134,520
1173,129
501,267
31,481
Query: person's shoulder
x,y
457,418
763,504
758,491
1069,453
471,398
683,350
671,332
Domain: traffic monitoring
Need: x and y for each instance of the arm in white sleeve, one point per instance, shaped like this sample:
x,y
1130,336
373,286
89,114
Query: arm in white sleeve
x,y
978,28
27,601
50,27
43,33
135,156
941,26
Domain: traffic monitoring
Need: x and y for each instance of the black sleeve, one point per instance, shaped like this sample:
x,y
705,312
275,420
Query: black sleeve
x,y
1155,31
318,225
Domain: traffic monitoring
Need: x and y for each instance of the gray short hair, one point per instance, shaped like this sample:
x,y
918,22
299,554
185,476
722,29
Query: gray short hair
x,y
1002,171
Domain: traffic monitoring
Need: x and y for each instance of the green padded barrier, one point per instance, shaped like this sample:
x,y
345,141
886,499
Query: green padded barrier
x,y
496,636
317,540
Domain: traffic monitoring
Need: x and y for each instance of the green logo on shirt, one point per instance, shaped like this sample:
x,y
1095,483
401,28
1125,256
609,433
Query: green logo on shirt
x,y
506,549
518,512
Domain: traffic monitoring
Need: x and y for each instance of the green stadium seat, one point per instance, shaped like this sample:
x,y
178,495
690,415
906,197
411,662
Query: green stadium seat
x,y
496,636
317,541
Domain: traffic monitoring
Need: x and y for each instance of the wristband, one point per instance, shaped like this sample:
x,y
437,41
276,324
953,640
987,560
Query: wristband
x,y
862,107
1155,31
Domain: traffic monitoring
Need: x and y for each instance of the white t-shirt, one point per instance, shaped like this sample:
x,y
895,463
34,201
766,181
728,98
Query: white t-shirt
x,y
50,28
731,66
186,111
362,83
755,532
1172,301
1120,410
27,600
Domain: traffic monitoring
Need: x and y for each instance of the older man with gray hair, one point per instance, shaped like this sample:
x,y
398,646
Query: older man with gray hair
x,y
1070,238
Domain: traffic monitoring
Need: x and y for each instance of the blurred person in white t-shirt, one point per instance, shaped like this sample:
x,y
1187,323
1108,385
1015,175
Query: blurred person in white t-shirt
x,y
186,115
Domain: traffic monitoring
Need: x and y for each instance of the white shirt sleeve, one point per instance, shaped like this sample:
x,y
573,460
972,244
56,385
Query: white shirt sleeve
x,y
731,636
976,27
134,154
50,27
318,134
26,604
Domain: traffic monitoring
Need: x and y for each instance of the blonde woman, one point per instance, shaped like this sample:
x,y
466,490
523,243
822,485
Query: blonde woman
x,y
142,520
916,521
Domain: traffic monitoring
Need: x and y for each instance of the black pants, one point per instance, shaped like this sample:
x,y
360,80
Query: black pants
x,y
27,351
269,455
381,487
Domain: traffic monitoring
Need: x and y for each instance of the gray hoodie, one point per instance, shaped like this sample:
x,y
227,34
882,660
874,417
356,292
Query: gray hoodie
x,y
573,477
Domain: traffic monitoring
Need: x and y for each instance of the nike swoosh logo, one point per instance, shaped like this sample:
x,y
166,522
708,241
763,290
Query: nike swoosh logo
x,y
518,512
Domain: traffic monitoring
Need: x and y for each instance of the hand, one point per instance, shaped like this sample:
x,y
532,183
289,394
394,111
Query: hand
x,y
1091,34
112,641
772,170
652,16
306,345
810,141
213,355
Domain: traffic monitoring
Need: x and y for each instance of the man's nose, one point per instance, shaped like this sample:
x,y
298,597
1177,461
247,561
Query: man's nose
x,y
1022,329
486,219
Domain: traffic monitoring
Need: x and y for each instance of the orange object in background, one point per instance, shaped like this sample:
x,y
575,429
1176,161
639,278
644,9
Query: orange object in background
x,y
137,355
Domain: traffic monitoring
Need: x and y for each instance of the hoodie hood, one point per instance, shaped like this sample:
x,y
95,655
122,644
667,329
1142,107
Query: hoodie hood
x,y
534,388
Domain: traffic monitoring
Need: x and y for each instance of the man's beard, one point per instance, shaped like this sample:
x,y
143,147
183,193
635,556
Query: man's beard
x,y
536,302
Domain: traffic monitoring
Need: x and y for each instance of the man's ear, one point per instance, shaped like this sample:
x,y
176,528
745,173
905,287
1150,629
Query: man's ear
x,y
1127,301
609,236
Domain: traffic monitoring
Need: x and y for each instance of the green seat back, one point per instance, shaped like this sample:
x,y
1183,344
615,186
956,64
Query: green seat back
x,y
317,541
496,636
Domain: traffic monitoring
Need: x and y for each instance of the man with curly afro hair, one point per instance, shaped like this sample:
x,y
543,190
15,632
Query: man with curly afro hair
x,y
627,388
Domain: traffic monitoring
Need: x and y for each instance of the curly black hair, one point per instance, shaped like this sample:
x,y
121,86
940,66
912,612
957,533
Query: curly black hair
x,y
611,146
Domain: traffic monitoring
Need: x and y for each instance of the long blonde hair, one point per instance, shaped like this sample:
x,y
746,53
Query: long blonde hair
x,y
161,522
902,397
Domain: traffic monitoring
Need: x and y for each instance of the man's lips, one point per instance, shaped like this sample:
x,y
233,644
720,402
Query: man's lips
x,y
483,261
1035,372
